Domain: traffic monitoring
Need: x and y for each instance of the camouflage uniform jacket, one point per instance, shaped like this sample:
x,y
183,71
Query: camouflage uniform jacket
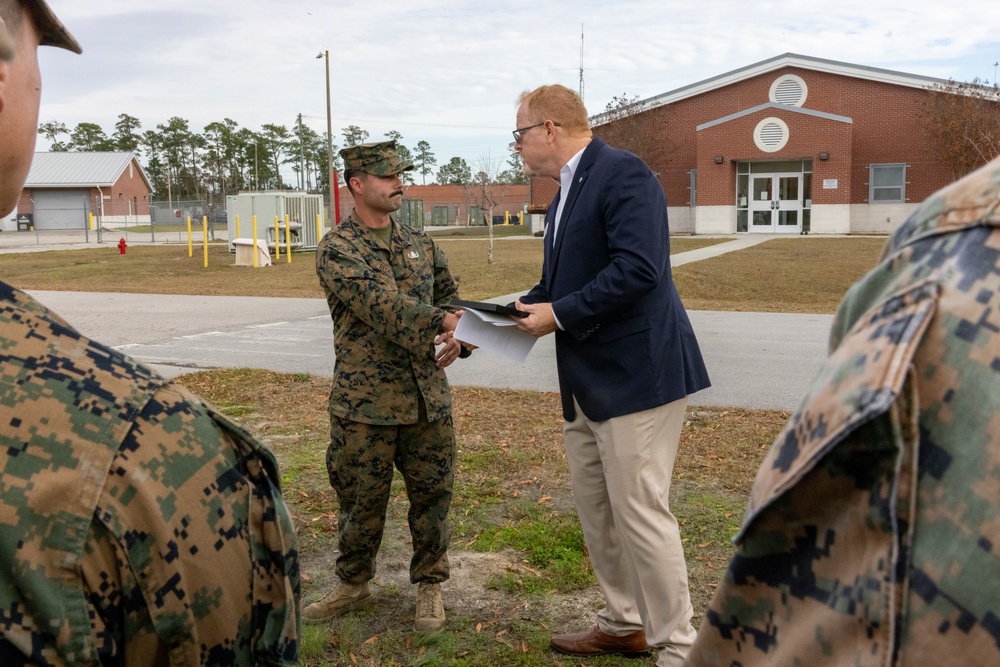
x,y
872,535
137,525
386,308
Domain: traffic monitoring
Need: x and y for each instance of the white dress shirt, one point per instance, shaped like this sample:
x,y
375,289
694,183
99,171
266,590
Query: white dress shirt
x,y
565,181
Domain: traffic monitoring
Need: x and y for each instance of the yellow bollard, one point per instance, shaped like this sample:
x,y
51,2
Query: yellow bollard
x,y
91,214
520,217
277,241
319,227
255,262
204,236
506,217
237,226
288,240
190,250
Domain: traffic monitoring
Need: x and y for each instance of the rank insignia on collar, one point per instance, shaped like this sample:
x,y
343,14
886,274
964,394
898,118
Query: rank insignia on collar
x,y
412,254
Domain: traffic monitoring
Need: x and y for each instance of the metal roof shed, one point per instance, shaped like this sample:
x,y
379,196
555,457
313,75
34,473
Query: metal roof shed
x,y
63,187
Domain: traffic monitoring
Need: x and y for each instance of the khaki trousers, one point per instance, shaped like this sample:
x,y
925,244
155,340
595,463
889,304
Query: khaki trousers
x,y
620,471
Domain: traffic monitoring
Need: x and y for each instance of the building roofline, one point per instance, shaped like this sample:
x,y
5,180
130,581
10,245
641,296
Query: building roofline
x,y
776,63
127,157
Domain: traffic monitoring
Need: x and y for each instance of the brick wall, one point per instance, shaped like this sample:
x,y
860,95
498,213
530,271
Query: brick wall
x,y
884,127
456,197
24,202
130,185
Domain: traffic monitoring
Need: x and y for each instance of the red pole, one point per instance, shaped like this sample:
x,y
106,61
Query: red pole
x,y
336,196
333,180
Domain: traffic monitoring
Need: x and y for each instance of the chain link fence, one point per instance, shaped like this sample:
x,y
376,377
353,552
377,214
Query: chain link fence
x,y
86,222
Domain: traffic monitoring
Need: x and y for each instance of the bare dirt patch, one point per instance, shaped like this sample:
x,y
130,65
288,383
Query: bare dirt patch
x,y
468,593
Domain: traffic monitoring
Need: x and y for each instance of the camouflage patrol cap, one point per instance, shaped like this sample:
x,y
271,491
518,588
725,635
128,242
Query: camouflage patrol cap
x,y
51,31
6,43
378,159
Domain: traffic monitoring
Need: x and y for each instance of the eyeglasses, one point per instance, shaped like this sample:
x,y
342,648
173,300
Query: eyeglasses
x,y
520,132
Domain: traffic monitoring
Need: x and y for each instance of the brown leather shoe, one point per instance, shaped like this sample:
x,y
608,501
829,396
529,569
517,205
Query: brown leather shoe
x,y
595,642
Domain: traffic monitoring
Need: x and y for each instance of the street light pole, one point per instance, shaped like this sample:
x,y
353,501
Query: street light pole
x,y
333,216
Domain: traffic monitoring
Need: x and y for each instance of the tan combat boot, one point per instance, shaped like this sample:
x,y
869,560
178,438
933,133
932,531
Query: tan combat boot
x,y
430,608
343,598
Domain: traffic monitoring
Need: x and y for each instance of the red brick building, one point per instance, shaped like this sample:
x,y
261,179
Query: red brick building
x,y
63,189
788,145
450,204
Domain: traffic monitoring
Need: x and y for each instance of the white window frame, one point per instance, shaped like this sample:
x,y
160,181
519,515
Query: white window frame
x,y
873,169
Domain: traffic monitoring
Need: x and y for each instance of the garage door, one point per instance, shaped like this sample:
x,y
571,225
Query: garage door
x,y
60,209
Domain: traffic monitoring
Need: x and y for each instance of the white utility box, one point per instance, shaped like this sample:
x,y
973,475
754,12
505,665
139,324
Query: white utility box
x,y
245,250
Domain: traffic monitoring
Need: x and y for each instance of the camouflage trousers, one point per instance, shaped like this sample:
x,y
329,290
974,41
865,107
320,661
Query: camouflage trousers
x,y
360,463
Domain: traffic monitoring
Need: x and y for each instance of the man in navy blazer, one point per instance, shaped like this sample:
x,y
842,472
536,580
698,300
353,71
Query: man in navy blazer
x,y
627,359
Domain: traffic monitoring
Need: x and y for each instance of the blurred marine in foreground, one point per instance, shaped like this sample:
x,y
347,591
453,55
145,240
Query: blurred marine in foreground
x,y
138,526
872,535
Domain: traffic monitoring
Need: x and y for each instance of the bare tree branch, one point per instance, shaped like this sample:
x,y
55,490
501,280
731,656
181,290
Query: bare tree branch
x,y
963,119
488,189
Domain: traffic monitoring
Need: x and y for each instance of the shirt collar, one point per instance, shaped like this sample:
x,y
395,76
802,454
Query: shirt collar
x,y
569,170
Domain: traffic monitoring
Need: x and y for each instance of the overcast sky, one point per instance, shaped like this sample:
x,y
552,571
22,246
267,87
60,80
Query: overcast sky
x,y
449,71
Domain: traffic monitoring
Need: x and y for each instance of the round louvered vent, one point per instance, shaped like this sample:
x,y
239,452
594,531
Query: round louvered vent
x,y
770,135
789,89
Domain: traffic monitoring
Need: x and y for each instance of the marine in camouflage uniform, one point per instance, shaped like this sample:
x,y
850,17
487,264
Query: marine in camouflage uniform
x,y
390,403
872,535
138,526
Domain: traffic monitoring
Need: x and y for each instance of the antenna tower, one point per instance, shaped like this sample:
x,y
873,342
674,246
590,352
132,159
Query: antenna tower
x,y
581,62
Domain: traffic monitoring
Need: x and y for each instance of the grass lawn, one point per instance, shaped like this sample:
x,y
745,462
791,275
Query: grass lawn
x,y
786,275
481,231
519,569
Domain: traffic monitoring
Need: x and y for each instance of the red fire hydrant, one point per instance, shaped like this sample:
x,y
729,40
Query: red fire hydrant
x,y
121,246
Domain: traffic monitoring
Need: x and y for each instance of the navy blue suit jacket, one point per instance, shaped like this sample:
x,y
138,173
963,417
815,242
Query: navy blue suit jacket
x,y
628,345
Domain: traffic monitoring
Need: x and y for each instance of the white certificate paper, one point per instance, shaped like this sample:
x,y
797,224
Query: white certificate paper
x,y
496,333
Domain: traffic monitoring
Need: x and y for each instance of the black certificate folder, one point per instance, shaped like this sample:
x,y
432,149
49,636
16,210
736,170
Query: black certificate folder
x,y
487,307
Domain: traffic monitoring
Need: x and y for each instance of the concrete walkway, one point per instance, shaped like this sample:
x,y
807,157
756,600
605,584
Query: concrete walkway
x,y
737,243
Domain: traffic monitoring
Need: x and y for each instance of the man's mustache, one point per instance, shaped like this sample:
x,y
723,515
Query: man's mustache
x,y
398,192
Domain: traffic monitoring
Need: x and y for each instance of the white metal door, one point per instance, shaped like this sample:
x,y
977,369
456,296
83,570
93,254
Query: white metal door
x,y
776,203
